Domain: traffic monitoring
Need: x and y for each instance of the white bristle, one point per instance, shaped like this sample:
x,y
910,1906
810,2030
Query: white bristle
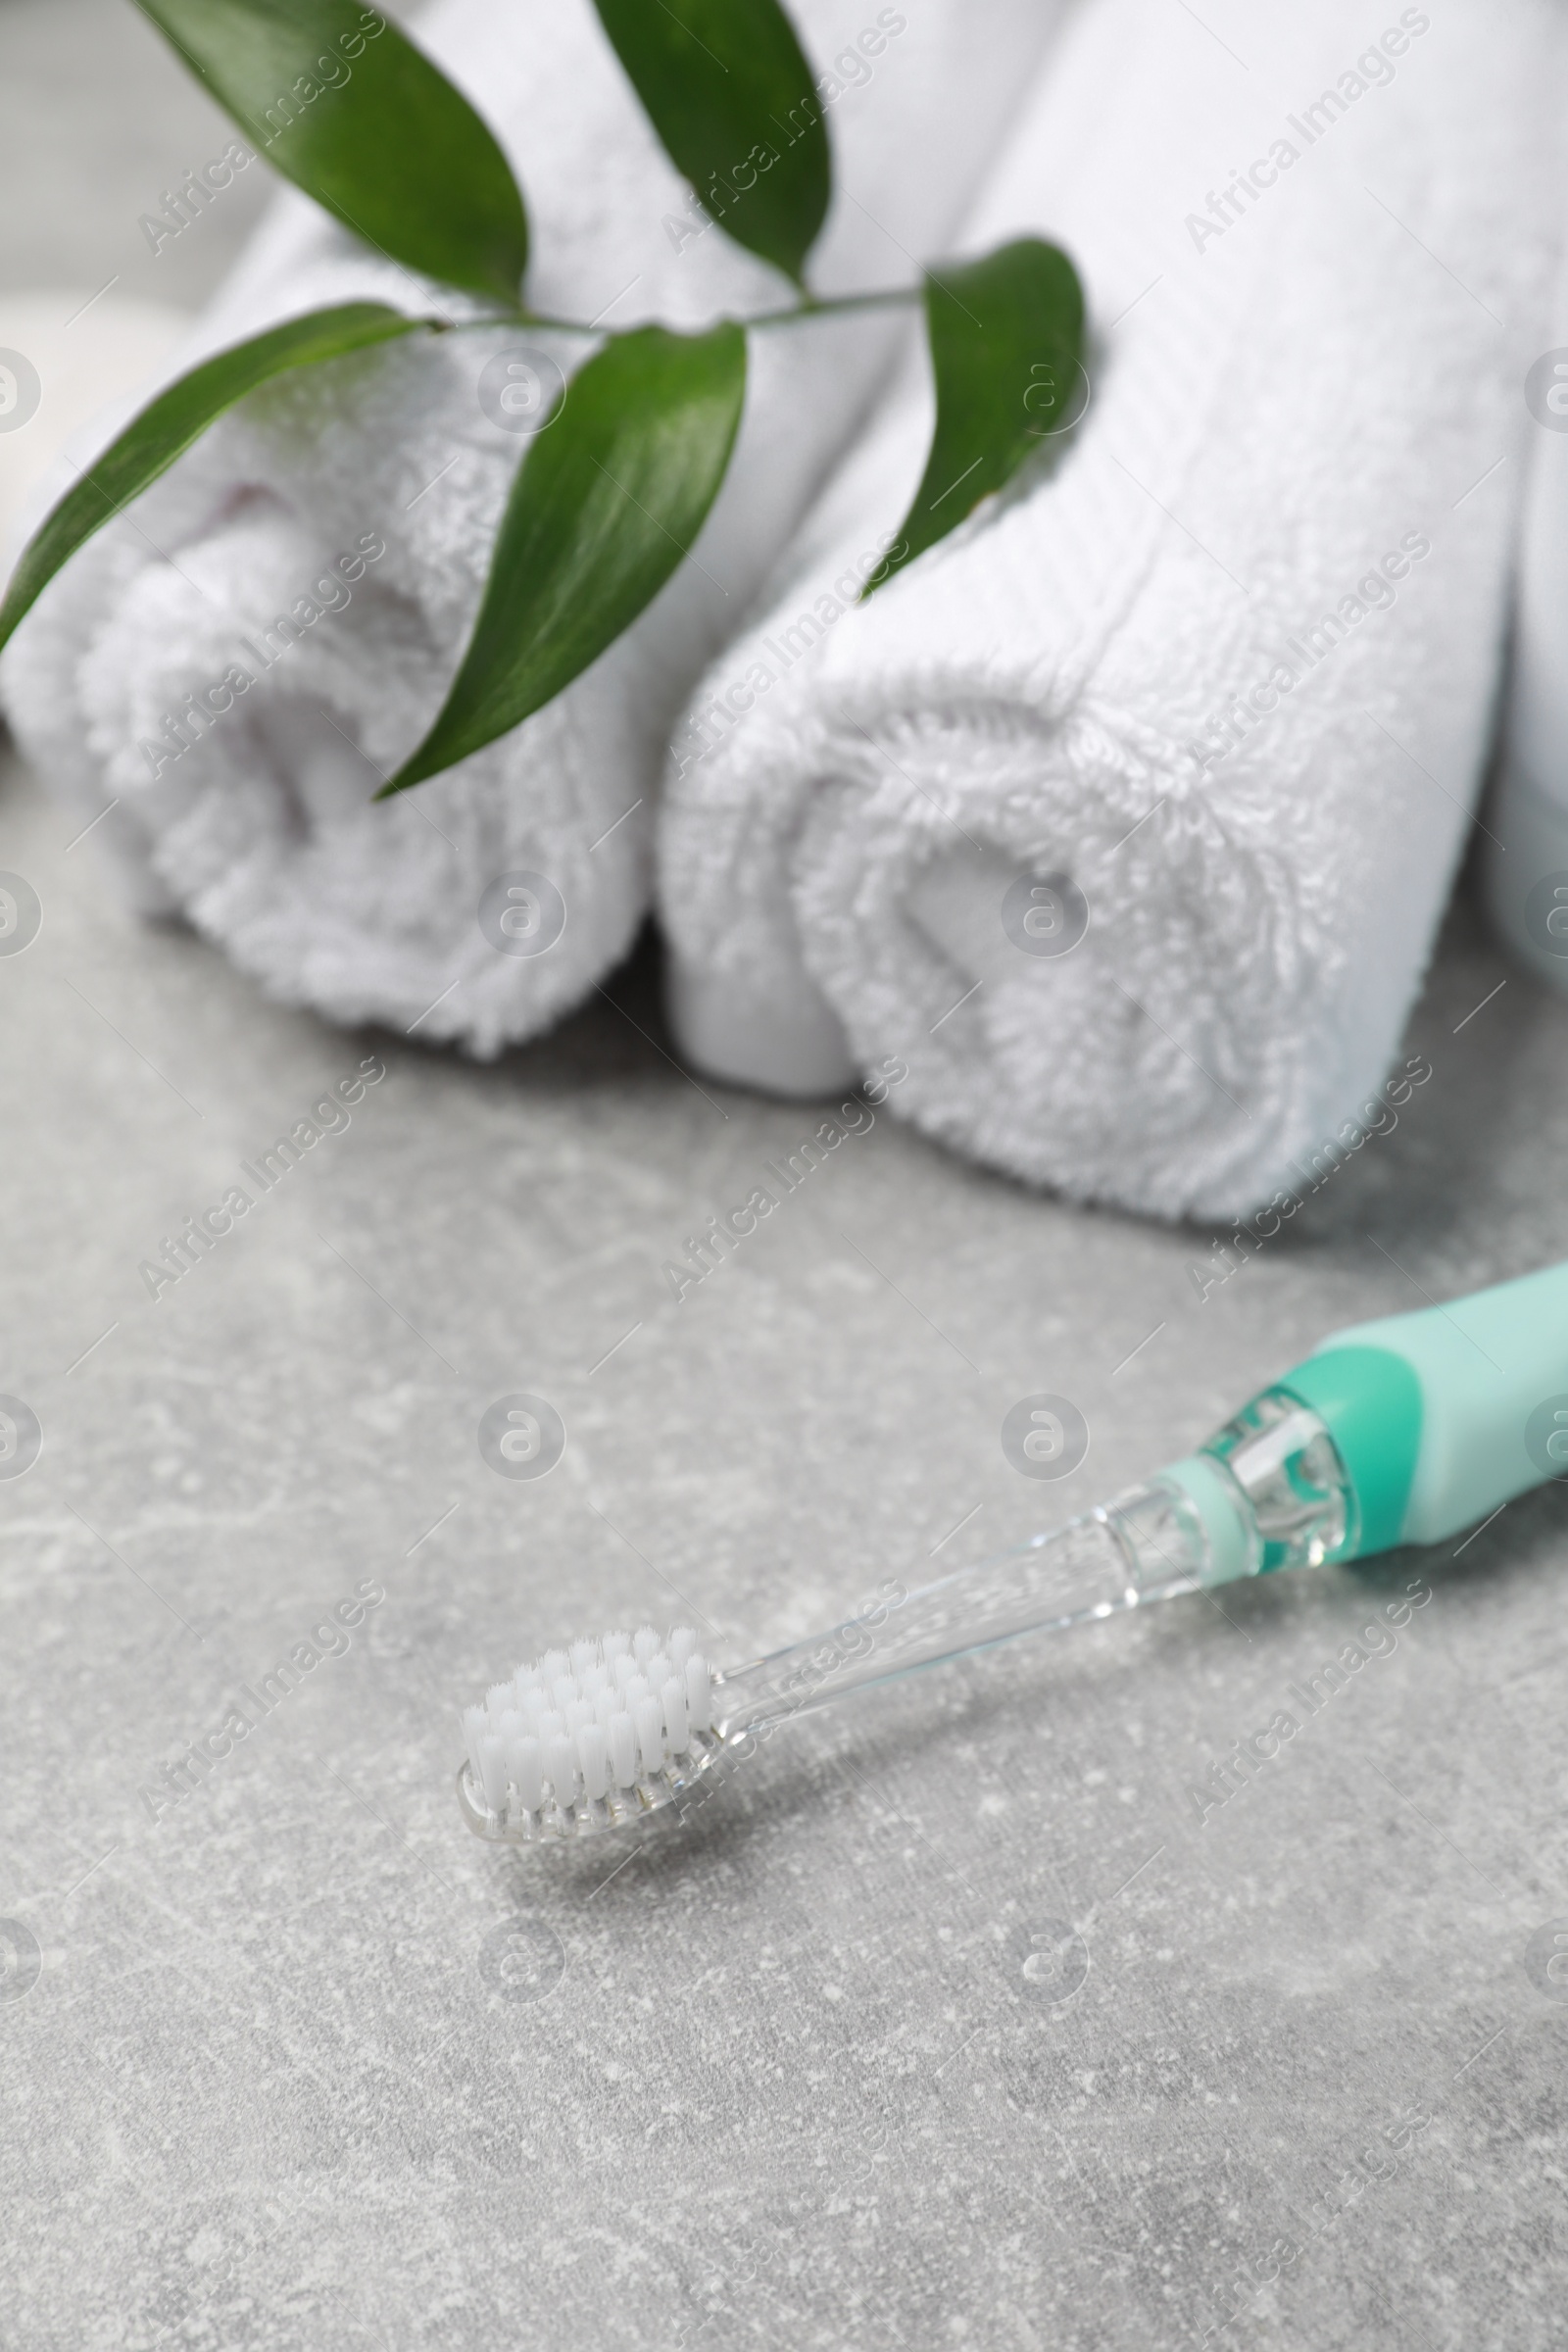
x,y
583,1726
593,1760
525,1765
560,1764
623,1750
649,1717
493,1773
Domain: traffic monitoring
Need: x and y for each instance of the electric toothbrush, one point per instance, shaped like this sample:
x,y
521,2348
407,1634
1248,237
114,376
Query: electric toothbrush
x,y
1400,1431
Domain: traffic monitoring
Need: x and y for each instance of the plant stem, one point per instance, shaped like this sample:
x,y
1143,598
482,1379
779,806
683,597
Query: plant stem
x,y
810,308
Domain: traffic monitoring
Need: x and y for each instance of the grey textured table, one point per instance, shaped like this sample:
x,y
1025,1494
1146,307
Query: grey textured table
x,y
301,2064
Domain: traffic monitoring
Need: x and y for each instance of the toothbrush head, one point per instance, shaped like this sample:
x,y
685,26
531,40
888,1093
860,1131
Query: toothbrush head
x,y
592,1737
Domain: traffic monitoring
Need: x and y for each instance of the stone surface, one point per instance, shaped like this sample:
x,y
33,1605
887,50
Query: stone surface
x,y
302,2063
956,2019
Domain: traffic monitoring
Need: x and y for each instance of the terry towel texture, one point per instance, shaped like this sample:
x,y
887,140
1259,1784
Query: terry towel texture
x,y
1525,853
1126,817
261,832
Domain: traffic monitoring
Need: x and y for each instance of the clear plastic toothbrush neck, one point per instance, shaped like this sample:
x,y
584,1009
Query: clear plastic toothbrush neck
x,y
1268,1491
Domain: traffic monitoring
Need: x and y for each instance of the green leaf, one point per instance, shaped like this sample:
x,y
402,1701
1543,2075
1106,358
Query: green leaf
x,y
730,94
180,416
609,498
347,107
1007,347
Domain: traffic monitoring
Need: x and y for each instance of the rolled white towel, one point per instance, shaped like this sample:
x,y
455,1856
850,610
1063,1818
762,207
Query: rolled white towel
x,y
1524,852
1125,817
359,502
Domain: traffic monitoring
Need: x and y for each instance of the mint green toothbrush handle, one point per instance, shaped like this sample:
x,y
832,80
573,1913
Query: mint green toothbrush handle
x,y
1442,1416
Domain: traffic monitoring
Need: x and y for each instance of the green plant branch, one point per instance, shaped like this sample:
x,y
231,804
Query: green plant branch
x,y
602,509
